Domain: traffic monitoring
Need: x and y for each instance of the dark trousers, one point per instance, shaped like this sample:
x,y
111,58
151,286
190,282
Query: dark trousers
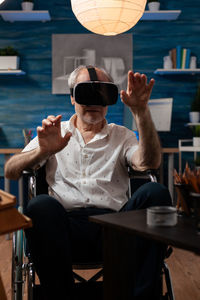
x,y
59,237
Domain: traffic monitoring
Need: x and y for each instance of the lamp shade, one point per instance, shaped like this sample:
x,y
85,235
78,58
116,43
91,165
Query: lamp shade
x,y
108,17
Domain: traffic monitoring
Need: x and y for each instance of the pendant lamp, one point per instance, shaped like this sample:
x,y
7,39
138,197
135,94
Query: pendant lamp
x,y
108,17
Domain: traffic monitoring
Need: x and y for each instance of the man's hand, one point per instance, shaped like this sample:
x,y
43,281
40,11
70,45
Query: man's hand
x,y
138,92
50,142
49,136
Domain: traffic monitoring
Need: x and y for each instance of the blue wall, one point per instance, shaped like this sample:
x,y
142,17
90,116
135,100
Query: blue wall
x,y
26,100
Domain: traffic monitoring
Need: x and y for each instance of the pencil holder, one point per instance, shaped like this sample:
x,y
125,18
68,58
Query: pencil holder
x,y
183,205
188,204
195,199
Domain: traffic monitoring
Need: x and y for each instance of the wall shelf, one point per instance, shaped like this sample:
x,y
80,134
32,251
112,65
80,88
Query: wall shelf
x,y
192,124
12,72
177,71
160,15
34,15
186,146
20,15
189,149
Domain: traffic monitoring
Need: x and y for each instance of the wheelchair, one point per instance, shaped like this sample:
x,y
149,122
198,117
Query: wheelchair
x,y
23,273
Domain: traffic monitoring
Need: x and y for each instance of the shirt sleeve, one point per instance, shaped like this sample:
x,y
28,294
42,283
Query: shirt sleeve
x,y
32,145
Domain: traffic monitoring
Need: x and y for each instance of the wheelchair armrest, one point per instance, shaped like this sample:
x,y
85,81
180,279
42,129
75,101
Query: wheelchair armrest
x,y
36,181
28,172
29,181
150,174
168,252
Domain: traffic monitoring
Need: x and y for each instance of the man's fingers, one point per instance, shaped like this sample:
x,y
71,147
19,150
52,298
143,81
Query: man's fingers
x,y
144,79
137,76
67,136
57,121
40,129
123,95
54,118
46,123
130,80
151,84
51,117
52,121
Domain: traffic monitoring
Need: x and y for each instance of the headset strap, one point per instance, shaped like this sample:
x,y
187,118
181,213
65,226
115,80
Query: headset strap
x,y
92,73
93,77
71,92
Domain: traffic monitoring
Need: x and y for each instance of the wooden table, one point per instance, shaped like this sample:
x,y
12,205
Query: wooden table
x,y
7,152
120,230
10,220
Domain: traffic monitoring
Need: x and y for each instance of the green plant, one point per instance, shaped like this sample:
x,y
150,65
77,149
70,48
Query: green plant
x,y
195,105
8,51
196,131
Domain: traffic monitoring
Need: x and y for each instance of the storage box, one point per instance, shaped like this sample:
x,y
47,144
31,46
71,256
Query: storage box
x,y
9,62
161,216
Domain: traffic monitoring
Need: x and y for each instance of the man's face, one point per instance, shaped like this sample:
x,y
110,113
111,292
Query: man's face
x,y
90,114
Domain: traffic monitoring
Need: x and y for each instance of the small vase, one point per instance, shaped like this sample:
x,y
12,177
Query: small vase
x,y
154,6
193,62
196,141
167,62
27,6
194,117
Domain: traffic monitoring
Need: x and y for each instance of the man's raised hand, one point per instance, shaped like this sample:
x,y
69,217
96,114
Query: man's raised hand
x,y
49,135
138,91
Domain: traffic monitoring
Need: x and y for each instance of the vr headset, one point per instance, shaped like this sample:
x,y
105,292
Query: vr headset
x,y
95,92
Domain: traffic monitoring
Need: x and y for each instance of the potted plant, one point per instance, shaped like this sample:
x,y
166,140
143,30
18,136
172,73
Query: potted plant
x,y
9,58
194,114
196,136
27,5
153,5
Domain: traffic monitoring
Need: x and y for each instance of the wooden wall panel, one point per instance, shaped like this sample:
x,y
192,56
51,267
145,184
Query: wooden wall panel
x,y
25,100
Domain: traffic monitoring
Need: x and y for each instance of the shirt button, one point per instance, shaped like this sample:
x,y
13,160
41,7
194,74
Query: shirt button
x,y
88,200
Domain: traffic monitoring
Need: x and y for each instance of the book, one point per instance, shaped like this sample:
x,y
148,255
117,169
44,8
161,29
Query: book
x,y
187,60
178,57
183,58
172,54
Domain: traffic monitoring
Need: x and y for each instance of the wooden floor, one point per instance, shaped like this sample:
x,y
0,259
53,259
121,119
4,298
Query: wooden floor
x,y
184,268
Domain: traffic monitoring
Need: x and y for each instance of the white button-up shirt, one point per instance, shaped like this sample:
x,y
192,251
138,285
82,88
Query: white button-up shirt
x,y
92,174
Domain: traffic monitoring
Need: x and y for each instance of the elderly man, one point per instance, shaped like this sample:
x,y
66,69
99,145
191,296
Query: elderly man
x,y
86,171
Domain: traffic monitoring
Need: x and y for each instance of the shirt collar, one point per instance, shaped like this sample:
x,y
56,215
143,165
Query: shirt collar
x,y
100,135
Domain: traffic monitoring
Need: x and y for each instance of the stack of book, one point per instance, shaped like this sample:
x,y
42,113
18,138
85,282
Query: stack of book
x,y
180,57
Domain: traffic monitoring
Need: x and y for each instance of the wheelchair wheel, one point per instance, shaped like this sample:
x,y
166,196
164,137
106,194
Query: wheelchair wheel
x,y
18,266
22,269
30,280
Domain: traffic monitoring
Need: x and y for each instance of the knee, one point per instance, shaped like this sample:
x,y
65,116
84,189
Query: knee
x,y
157,193
42,206
151,194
